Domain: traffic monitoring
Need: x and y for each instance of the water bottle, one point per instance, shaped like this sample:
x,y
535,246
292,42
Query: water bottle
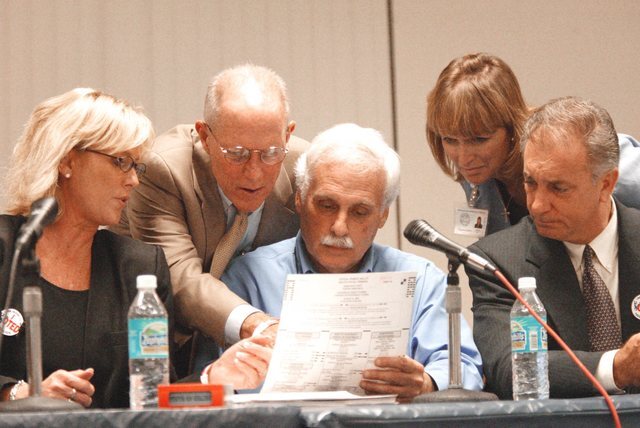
x,y
148,345
529,356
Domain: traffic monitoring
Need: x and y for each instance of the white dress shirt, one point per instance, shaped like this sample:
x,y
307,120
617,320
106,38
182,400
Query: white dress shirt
x,y
605,247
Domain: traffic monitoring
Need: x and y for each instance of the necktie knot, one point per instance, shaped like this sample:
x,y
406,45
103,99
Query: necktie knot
x,y
587,257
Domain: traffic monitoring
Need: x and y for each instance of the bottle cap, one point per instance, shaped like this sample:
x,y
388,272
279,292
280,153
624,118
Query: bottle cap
x,y
527,283
146,282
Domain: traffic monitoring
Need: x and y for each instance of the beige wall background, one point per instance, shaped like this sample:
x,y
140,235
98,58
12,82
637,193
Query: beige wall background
x,y
333,54
343,61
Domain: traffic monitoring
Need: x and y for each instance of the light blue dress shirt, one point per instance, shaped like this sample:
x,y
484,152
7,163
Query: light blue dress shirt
x,y
627,189
253,221
259,278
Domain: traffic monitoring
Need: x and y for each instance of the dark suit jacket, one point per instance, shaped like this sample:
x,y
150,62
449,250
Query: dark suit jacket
x,y
178,207
519,251
116,262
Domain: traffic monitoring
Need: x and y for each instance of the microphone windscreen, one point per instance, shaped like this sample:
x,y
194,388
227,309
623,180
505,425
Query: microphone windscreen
x,y
418,232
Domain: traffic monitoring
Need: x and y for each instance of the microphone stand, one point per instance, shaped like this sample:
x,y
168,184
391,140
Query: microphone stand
x,y
453,305
32,308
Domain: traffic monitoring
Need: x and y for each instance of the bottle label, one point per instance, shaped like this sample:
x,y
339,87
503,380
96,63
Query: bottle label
x,y
528,335
148,338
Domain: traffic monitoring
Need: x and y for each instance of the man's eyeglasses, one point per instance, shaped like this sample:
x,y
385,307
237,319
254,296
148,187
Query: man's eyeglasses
x,y
239,155
125,163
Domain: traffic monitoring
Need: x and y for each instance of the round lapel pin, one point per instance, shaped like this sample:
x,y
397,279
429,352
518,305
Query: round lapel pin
x,y
635,307
13,322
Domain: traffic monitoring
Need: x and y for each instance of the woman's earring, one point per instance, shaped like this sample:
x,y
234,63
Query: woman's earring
x,y
67,175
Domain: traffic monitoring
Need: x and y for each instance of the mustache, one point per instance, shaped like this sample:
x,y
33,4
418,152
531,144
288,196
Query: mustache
x,y
337,241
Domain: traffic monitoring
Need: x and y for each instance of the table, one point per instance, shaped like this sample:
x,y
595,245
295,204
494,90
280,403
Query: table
x,y
276,417
583,412
578,413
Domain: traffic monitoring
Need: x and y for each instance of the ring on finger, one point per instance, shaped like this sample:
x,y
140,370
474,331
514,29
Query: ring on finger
x,y
74,393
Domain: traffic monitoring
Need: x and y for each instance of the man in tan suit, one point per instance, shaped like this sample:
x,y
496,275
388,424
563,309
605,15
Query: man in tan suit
x,y
239,159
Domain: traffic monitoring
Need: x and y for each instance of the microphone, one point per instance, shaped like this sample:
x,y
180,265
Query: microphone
x,y
419,232
32,308
43,212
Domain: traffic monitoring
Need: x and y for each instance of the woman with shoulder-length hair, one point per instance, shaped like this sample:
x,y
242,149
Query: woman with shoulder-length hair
x,y
475,115
81,147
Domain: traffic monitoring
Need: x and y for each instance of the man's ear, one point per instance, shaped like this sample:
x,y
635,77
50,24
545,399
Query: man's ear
x,y
383,218
298,202
608,183
290,128
203,132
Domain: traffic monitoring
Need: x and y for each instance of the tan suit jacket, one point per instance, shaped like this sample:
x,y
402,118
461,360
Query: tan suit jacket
x,y
178,207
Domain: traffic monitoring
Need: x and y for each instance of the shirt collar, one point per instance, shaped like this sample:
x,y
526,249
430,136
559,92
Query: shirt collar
x,y
230,209
605,245
304,264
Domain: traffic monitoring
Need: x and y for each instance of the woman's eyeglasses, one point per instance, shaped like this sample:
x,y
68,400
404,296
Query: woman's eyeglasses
x,y
125,163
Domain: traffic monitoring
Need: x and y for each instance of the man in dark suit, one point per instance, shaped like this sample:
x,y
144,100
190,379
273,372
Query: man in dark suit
x,y
571,157
238,159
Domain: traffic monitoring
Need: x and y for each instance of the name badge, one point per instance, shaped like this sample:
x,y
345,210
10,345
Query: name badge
x,y
470,221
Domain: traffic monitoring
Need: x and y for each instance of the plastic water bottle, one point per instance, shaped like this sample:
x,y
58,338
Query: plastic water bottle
x,y
148,345
529,356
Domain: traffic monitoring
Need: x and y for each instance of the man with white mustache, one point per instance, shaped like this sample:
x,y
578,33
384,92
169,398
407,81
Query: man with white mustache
x,y
346,183
336,241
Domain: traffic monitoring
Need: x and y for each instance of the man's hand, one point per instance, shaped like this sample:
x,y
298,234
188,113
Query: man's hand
x,y
253,321
244,365
397,375
626,363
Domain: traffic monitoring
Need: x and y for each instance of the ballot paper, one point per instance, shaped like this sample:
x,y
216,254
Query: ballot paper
x,y
333,326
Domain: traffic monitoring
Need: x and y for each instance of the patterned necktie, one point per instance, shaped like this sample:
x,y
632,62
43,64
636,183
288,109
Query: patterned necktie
x,y
228,244
602,323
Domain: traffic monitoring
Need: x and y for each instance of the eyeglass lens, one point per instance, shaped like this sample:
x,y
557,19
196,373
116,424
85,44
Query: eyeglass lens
x,y
126,163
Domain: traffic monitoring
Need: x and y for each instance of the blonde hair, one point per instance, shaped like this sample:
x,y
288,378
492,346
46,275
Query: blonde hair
x,y
475,95
82,118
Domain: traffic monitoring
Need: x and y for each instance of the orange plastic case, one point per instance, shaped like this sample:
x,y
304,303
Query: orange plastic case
x,y
181,395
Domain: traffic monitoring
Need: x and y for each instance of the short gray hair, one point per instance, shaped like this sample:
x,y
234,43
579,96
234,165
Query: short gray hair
x,y
350,144
233,79
565,117
82,118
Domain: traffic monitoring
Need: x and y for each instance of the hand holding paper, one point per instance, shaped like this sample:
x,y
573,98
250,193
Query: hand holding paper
x,y
244,365
402,376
